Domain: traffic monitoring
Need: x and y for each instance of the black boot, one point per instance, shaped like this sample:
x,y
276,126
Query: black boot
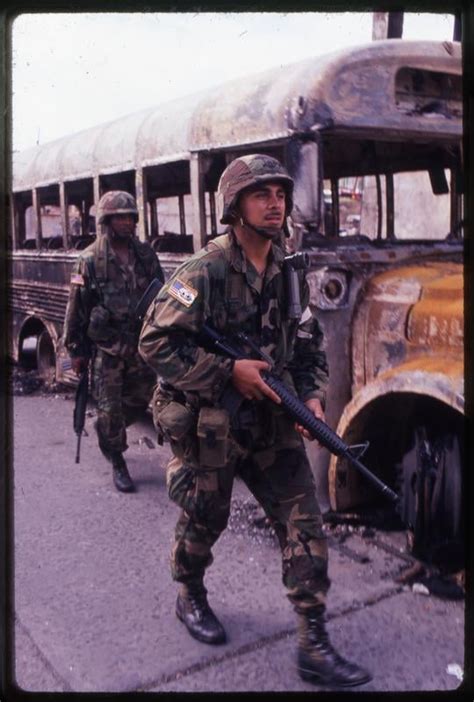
x,y
318,662
122,479
193,610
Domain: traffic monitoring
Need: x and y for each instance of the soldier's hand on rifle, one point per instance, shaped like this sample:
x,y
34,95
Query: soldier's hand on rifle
x,y
78,364
317,409
248,381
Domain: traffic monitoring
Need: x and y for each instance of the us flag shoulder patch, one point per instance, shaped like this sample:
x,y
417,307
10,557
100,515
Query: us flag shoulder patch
x,y
77,279
183,292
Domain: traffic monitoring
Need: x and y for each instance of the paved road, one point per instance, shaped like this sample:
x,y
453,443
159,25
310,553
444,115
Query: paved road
x,y
94,602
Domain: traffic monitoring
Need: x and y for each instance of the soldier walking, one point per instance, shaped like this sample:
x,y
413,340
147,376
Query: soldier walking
x,y
108,279
236,284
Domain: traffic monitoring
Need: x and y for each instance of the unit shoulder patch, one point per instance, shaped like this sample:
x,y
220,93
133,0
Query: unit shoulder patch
x,y
183,292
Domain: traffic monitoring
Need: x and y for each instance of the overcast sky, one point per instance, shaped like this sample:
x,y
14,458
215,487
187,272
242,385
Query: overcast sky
x,y
73,71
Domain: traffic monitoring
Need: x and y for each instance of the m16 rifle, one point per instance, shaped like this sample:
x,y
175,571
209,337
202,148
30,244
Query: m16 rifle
x,y
80,407
296,409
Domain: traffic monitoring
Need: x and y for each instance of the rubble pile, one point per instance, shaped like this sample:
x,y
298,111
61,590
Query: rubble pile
x,y
25,381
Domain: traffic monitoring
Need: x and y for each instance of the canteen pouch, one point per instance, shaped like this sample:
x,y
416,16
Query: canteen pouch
x,y
213,433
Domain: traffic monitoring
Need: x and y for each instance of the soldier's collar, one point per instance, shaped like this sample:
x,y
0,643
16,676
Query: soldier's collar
x,y
113,256
277,253
237,255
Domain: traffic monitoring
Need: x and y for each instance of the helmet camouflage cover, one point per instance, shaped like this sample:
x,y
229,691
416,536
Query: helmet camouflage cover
x,y
246,171
116,202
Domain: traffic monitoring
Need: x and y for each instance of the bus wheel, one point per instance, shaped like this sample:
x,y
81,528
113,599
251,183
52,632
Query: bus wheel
x,y
431,496
46,357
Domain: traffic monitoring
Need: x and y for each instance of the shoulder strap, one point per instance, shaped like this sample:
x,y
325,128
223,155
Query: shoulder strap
x,y
92,272
100,259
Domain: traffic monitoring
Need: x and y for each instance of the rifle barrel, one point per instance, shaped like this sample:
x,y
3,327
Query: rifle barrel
x,y
323,433
376,482
80,407
78,448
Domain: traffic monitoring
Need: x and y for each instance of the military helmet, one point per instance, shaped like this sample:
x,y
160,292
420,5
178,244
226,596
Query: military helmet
x,y
244,172
116,202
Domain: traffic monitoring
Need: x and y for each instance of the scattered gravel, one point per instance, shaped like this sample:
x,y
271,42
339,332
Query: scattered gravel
x,y
247,520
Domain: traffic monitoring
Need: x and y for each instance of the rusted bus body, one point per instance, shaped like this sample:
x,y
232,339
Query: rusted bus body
x,y
38,294
371,135
394,334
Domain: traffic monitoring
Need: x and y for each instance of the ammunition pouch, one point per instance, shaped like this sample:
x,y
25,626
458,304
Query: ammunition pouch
x,y
175,420
213,433
177,423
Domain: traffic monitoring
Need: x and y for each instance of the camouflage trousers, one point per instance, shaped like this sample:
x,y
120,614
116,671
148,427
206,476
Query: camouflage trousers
x,y
280,478
122,388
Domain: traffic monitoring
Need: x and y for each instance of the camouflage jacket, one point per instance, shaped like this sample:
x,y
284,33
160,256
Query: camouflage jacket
x,y
103,296
220,287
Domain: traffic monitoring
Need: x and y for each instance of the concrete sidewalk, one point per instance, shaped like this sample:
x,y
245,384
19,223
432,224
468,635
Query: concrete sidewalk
x,y
94,601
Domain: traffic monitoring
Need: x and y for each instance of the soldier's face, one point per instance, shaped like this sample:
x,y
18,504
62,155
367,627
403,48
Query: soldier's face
x,y
264,207
123,225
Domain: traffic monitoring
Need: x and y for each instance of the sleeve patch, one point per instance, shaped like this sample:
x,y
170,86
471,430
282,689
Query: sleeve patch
x,y
183,292
77,279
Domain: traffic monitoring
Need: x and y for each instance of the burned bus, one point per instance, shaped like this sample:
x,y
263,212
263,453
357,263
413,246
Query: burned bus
x,y
372,137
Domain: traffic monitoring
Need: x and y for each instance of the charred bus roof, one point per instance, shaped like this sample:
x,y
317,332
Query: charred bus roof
x,y
395,86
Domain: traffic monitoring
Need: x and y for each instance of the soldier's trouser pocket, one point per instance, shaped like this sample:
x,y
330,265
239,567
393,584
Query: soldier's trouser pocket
x,y
178,424
213,434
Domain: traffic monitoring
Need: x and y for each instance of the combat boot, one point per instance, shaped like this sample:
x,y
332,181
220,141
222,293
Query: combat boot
x,y
192,608
121,476
318,662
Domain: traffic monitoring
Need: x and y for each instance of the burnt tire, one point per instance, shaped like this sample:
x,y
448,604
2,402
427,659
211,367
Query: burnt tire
x,y
431,496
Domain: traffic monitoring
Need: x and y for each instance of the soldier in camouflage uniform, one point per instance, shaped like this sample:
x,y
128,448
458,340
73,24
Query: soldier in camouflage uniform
x,y
108,279
236,284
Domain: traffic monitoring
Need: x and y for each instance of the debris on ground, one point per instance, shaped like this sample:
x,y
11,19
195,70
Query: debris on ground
x,y
367,519
433,578
443,586
145,440
25,381
248,519
428,580
456,670
420,589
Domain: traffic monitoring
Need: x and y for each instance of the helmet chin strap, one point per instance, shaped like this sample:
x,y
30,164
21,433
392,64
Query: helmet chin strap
x,y
269,234
117,237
